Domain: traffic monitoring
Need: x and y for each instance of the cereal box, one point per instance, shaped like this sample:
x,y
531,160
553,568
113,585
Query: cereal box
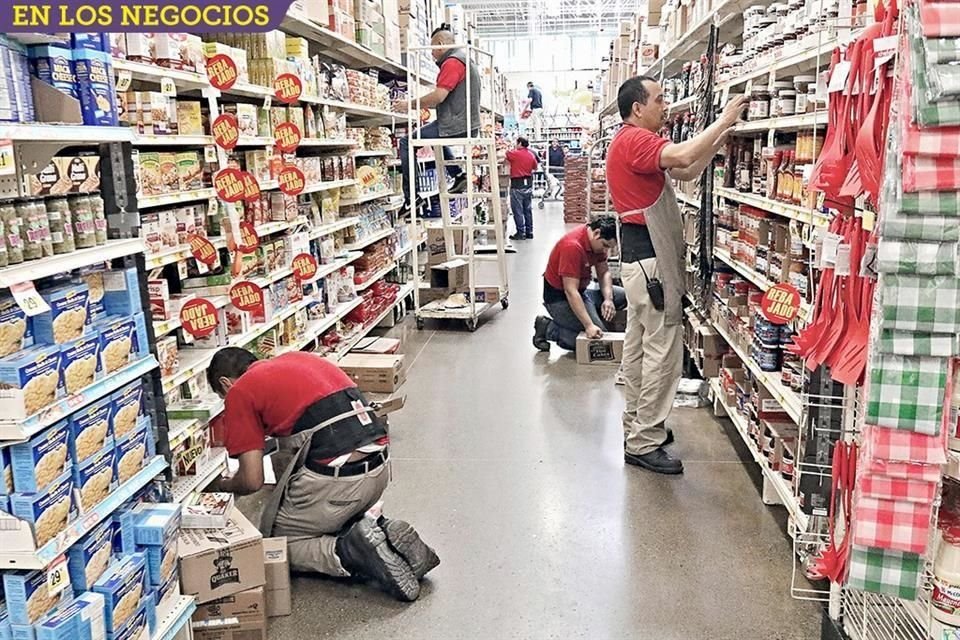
x,y
54,65
161,561
90,430
88,558
67,316
13,326
79,361
117,45
6,481
121,291
29,380
247,119
168,354
189,118
49,511
189,170
81,619
151,182
92,41
94,479
169,178
40,461
141,47
123,585
124,409
117,343
169,589
130,454
28,597
122,528
136,625
95,83
155,524
93,278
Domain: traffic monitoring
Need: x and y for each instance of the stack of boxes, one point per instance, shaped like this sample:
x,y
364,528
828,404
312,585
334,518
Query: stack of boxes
x,y
415,32
370,23
391,18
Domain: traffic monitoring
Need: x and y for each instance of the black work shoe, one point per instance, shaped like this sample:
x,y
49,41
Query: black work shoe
x,y
363,551
540,333
459,184
405,540
658,461
669,439
529,236
517,236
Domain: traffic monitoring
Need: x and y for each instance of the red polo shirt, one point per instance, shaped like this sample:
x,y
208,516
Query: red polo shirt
x,y
571,257
634,177
522,162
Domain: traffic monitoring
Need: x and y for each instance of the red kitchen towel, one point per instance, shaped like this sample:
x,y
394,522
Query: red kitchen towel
x,y
941,142
910,471
900,445
892,524
885,488
939,19
921,173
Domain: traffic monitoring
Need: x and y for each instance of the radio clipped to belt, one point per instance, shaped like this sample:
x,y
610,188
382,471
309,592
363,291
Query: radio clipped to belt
x,y
654,289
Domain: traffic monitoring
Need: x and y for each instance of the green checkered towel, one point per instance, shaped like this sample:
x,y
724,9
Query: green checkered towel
x,y
907,343
926,112
907,392
893,573
921,258
929,304
935,204
944,80
941,50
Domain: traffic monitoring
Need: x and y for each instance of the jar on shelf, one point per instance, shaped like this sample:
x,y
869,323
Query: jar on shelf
x,y
759,107
85,235
778,86
61,225
788,102
11,225
99,219
802,86
35,230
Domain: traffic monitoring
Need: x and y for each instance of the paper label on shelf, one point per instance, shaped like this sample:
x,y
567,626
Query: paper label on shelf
x,y
842,260
8,165
838,80
28,299
168,87
124,79
828,252
884,48
267,102
868,265
58,578
210,153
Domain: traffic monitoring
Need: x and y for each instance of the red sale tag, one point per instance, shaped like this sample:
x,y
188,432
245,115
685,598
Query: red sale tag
x,y
249,240
304,267
292,180
780,304
198,317
202,249
251,188
287,137
246,296
222,71
229,185
226,131
287,87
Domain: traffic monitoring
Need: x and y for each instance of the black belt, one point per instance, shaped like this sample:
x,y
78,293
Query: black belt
x,y
635,243
357,468
521,183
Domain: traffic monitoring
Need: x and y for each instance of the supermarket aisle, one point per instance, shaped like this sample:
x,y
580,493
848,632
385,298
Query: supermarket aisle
x,y
510,464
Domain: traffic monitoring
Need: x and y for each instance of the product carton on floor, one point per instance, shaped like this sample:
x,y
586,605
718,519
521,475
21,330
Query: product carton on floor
x,y
277,567
221,562
381,373
605,350
241,616
452,275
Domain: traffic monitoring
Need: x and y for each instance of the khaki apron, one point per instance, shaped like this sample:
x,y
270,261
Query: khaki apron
x,y
291,456
665,225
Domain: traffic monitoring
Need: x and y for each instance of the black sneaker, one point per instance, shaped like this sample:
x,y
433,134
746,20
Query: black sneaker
x,y
658,461
405,540
517,236
459,184
540,333
363,551
529,236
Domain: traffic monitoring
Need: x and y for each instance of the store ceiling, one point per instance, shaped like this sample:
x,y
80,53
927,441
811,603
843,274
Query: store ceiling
x,y
521,18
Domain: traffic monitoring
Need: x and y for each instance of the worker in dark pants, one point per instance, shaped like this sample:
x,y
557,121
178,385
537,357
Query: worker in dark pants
x,y
523,163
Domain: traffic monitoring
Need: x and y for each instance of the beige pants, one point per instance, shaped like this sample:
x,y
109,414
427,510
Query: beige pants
x,y
316,507
652,363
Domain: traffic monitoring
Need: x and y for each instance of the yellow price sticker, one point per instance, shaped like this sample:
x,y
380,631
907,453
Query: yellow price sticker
x,y
8,165
28,299
58,578
168,87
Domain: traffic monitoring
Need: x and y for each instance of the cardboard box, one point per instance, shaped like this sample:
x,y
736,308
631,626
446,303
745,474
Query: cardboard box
x,y
246,606
382,373
606,350
437,246
277,568
710,342
221,562
451,275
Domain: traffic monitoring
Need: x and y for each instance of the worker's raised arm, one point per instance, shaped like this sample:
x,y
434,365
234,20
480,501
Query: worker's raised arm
x,y
702,147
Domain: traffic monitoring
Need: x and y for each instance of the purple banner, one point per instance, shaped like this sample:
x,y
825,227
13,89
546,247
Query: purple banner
x,y
199,16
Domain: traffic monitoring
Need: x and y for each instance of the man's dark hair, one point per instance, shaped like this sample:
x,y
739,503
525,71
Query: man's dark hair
x,y
606,225
229,362
529,84
443,27
632,91
523,142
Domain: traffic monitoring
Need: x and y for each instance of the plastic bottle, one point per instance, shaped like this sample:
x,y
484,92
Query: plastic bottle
x,y
945,600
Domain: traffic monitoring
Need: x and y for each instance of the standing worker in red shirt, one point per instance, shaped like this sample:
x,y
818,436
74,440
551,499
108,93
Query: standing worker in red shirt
x,y
639,165
522,165
334,450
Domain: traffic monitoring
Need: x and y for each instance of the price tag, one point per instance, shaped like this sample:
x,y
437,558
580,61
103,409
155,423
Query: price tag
x,y
210,153
267,101
842,262
168,87
884,48
7,163
828,254
28,299
838,81
124,78
58,579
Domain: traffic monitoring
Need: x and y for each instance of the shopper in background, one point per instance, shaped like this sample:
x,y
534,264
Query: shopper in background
x,y
639,163
555,159
333,455
536,109
523,163
573,304
452,103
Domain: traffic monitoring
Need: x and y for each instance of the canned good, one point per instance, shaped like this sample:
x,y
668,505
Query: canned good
x,y
767,357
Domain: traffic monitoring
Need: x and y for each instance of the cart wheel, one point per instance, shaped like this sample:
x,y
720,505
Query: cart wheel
x,y
504,303
472,324
420,324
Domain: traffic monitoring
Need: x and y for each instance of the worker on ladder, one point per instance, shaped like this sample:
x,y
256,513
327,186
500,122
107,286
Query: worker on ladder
x,y
451,101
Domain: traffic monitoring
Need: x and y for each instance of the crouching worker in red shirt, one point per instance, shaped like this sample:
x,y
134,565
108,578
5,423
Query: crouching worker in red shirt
x,y
333,456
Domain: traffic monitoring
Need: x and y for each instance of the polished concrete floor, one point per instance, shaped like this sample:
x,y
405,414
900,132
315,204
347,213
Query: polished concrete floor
x,y
510,463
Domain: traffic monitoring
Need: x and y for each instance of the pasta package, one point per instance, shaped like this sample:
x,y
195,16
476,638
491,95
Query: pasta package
x,y
117,336
121,292
88,558
125,408
67,317
28,597
82,618
94,479
161,561
130,454
6,468
48,512
123,585
156,524
13,327
39,462
79,362
29,381
90,431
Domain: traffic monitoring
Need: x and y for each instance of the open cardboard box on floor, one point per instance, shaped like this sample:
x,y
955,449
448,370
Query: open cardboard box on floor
x,y
453,275
605,350
241,616
383,373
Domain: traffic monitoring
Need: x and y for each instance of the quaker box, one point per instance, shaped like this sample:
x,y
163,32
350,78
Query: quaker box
x,y
221,562
605,350
381,373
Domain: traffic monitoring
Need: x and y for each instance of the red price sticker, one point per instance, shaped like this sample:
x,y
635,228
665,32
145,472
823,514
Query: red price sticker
x,y
304,267
226,131
780,304
202,249
287,137
246,296
198,317
292,180
251,188
222,71
287,87
229,185
249,240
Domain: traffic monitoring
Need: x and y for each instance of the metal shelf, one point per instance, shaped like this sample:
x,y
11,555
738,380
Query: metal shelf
x,y
366,242
405,290
19,551
792,211
326,142
327,229
169,199
688,200
173,618
760,280
326,269
185,486
166,326
364,153
808,52
337,47
141,140
366,284
66,262
185,80
177,254
317,327
784,123
77,134
365,198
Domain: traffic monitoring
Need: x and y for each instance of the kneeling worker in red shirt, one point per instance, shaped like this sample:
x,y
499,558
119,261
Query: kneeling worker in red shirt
x,y
334,457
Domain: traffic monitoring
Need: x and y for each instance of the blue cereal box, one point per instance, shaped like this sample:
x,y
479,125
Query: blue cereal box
x,y
79,361
67,317
169,589
141,343
13,327
121,292
93,278
156,524
94,479
89,557
54,65
48,512
29,381
161,561
38,462
117,343
98,97
90,430
91,41
125,408
133,628
28,597
123,585
6,472
130,454
82,619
